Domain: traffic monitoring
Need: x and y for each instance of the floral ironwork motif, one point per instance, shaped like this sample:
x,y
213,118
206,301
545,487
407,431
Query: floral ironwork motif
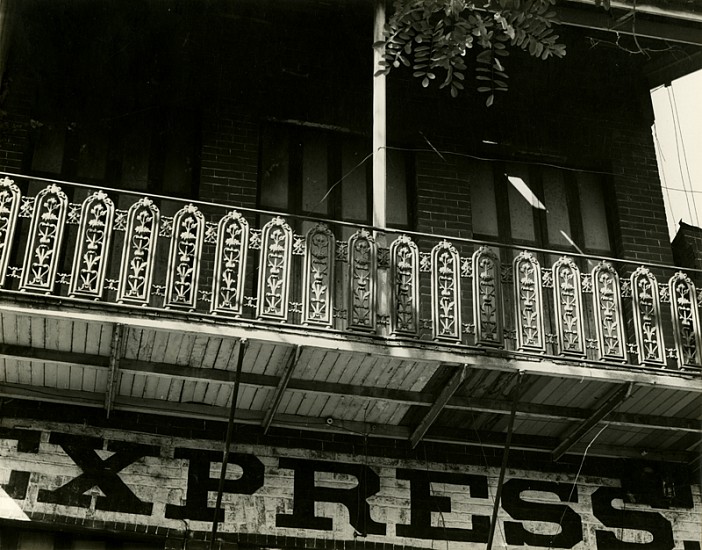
x,y
647,317
92,246
686,320
274,271
404,294
528,303
362,259
567,297
608,312
318,276
230,264
487,298
137,265
10,198
184,258
45,236
445,292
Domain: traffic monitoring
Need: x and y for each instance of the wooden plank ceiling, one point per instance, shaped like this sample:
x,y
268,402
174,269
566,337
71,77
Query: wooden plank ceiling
x,y
102,364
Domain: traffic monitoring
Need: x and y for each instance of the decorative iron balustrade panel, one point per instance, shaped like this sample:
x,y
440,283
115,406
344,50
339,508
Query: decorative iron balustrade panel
x,y
230,264
528,302
92,246
567,298
609,323
404,295
10,198
44,243
141,236
274,270
362,260
647,317
686,320
318,277
445,292
184,258
176,257
487,298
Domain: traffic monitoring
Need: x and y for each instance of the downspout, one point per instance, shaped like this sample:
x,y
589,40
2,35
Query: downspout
x,y
228,440
505,456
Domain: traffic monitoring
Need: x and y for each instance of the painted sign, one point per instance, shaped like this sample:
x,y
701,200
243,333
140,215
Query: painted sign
x,y
66,471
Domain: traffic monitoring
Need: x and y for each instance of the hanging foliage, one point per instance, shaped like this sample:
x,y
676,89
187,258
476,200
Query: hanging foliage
x,y
432,38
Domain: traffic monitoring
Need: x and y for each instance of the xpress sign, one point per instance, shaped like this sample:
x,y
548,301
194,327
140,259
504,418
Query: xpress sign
x,y
159,481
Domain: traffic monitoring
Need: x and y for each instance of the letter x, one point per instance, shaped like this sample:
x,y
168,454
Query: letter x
x,y
101,473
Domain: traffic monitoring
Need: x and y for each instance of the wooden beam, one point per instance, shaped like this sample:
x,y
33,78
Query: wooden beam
x,y
280,388
611,403
494,440
113,372
657,29
397,396
451,387
498,360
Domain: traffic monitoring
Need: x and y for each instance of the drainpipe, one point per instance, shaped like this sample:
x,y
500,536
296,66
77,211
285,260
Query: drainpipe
x,y
228,440
505,456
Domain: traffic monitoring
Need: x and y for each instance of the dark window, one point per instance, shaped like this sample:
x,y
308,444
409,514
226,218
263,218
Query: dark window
x,y
539,206
327,174
155,150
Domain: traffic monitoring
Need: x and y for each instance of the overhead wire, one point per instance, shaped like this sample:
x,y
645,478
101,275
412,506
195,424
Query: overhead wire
x,y
676,121
677,148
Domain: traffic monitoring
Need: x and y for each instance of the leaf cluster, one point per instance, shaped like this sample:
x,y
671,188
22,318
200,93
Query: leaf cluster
x,y
433,37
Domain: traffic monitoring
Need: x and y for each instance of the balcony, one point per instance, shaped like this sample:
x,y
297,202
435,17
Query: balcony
x,y
117,299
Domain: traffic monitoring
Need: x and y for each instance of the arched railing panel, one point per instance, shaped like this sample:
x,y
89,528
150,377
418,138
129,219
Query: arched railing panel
x,y
318,277
230,264
184,258
44,243
10,197
445,292
607,305
404,292
487,298
274,270
647,317
528,303
92,246
363,261
686,320
141,236
567,297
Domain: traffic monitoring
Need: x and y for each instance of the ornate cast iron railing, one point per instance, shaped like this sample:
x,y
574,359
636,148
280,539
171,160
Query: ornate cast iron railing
x,y
206,260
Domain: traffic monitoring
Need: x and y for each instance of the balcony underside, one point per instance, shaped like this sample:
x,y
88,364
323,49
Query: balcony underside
x,y
120,360
123,301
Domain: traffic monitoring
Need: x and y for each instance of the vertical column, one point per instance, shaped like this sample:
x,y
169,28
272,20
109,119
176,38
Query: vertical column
x,y
379,156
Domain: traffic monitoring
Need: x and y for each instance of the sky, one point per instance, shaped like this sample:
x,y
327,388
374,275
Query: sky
x,y
678,136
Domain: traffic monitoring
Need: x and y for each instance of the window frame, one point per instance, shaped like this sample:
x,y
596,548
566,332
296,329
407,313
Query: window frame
x,y
500,186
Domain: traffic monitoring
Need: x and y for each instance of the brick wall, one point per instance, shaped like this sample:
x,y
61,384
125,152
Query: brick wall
x,y
283,496
16,98
687,249
229,162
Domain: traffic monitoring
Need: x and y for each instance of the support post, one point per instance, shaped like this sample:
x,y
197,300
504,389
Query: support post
x,y
228,440
505,456
113,372
379,119
380,166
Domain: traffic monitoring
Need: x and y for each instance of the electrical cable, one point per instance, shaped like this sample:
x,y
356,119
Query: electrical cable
x,y
677,148
682,143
